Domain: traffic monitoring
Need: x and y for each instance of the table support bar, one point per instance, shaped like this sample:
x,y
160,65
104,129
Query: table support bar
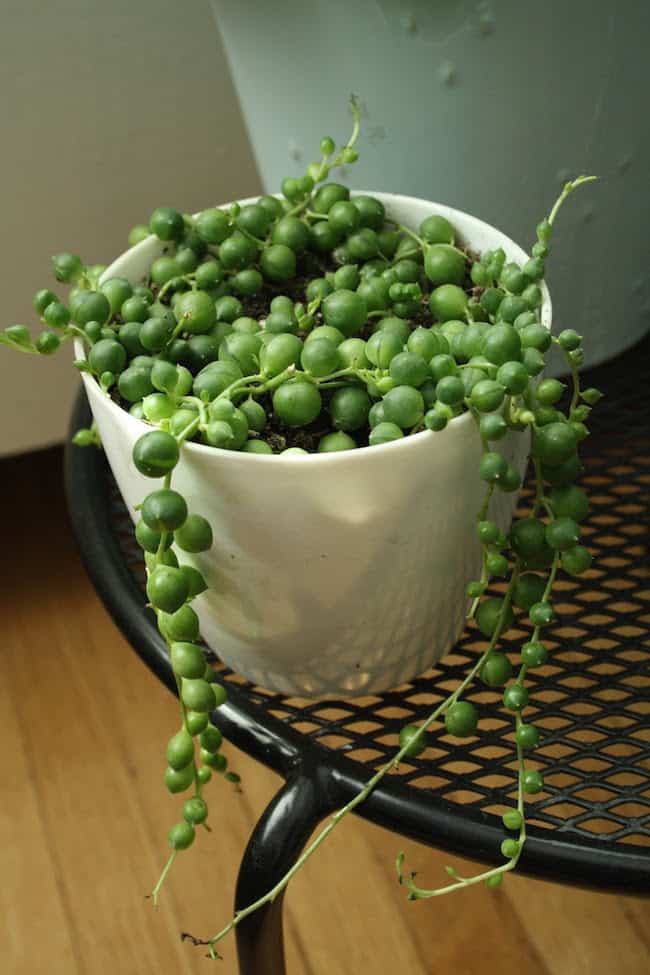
x,y
274,846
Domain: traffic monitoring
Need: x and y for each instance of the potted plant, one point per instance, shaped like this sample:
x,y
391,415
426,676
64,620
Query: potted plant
x,y
318,408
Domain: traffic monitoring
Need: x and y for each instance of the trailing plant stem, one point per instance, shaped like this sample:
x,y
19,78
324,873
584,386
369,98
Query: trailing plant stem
x,y
566,191
336,818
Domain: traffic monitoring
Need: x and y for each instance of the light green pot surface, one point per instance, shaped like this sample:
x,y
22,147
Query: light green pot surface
x,y
488,107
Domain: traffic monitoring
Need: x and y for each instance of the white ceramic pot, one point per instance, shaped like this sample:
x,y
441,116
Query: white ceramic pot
x,y
331,574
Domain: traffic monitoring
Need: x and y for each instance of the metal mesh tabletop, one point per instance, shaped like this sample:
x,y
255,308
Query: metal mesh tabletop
x,y
591,701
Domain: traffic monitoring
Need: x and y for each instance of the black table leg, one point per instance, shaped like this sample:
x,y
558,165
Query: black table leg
x,y
274,846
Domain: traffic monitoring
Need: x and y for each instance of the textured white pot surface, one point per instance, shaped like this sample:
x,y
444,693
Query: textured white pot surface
x,y
331,574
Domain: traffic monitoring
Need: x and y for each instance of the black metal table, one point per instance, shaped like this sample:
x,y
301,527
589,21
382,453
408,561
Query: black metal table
x,y
590,825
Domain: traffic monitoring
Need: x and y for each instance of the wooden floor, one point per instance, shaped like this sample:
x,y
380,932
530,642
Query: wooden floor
x,y
83,818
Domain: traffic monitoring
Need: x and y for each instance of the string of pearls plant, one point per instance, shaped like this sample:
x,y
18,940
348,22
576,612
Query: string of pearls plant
x,y
310,321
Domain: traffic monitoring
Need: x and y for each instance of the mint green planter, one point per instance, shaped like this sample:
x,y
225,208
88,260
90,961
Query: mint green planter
x,y
488,107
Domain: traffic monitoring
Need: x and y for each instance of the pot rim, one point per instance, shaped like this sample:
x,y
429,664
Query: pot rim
x,y
458,423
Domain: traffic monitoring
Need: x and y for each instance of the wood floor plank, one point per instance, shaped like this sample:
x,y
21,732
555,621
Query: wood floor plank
x,y
84,817
457,932
33,911
89,810
580,932
340,897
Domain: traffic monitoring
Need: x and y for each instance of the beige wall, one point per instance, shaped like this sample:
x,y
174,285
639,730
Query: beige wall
x,y
106,111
